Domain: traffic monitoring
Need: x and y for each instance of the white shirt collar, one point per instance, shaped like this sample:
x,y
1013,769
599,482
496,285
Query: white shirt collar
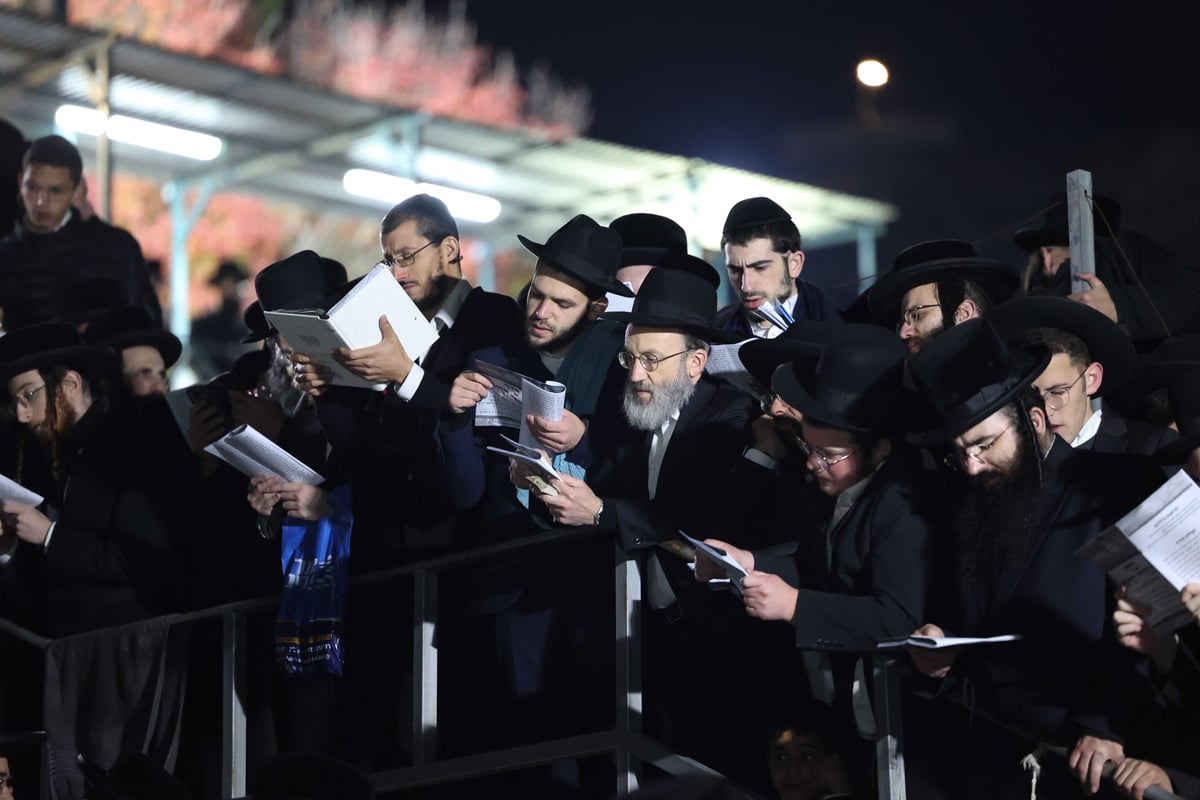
x,y
446,315
1089,429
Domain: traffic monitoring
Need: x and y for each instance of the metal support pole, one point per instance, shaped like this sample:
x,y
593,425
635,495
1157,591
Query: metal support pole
x,y
889,747
233,713
867,263
629,668
183,219
485,272
1081,227
99,81
425,667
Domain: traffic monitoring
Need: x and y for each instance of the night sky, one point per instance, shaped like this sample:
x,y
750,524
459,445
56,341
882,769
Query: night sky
x,y
989,106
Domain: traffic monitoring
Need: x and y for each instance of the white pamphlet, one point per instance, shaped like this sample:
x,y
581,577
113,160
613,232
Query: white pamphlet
x,y
13,492
251,453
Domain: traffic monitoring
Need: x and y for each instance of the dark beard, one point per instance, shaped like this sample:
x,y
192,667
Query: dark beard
x,y
995,515
565,338
443,285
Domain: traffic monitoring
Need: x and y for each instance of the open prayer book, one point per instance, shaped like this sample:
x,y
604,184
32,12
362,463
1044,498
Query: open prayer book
x,y
251,453
733,570
353,323
513,397
537,470
13,492
1154,551
776,314
938,642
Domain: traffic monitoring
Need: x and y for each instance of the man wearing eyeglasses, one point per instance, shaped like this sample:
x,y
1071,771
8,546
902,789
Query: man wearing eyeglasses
x,y
1023,503
936,285
763,260
1090,357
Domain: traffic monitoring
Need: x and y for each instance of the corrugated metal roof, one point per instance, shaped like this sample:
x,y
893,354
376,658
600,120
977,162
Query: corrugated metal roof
x,y
263,118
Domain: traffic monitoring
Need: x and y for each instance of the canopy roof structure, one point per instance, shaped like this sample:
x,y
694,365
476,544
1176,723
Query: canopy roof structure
x,y
286,140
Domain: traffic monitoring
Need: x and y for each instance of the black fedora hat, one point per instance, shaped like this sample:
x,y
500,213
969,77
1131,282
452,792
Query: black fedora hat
x,y
131,326
967,374
856,384
585,249
255,319
51,344
646,238
1106,342
228,270
671,298
692,265
1184,395
88,298
805,338
938,260
754,211
1053,228
302,280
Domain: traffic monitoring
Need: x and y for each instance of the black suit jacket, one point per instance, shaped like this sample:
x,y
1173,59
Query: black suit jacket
x,y
1068,675
874,586
1117,434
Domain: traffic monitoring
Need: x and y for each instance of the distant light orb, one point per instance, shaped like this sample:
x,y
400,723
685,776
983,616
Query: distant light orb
x,y
872,73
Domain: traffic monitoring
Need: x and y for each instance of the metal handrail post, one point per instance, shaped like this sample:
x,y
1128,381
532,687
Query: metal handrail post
x,y
425,667
889,747
629,668
233,712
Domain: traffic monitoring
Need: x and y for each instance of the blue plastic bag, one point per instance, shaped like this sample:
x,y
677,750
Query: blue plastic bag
x,y
316,576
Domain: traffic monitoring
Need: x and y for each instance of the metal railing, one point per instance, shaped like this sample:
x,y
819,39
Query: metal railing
x,y
625,742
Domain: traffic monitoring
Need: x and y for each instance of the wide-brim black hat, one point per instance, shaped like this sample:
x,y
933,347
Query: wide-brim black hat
x,y
255,319
1105,341
51,344
965,375
856,384
939,260
805,338
302,280
132,326
648,238
671,298
88,298
1054,230
585,249
692,265
228,270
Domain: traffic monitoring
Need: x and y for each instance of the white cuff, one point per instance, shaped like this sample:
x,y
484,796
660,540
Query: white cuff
x,y
756,456
407,389
49,533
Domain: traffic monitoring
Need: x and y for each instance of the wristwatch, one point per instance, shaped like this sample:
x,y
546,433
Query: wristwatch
x,y
599,511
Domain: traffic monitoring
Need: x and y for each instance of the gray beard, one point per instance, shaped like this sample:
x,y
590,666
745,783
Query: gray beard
x,y
664,402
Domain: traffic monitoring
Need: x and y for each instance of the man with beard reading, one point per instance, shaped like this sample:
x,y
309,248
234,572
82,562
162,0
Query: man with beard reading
x,y
1023,503
101,550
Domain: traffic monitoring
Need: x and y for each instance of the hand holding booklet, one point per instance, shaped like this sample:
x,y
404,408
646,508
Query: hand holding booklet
x,y
251,453
513,397
537,470
734,572
938,642
13,492
353,323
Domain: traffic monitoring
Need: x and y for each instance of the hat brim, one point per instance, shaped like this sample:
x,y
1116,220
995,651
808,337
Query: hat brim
x,y
257,336
998,280
1030,239
91,361
760,357
1106,343
706,332
797,387
649,256
1178,451
167,345
609,284
938,429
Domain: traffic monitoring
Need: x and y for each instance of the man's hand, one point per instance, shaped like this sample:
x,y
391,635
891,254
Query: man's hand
x,y
706,570
1191,599
1134,776
575,503
302,501
769,597
1088,757
517,473
264,493
1097,297
557,437
468,390
29,523
260,413
934,663
311,378
380,363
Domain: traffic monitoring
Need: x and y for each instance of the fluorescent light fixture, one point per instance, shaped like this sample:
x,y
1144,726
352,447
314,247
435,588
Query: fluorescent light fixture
x,y
391,189
151,135
452,168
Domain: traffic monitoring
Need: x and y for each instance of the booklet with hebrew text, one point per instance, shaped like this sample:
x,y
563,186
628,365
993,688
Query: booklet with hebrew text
x,y
513,397
353,323
251,453
536,468
13,492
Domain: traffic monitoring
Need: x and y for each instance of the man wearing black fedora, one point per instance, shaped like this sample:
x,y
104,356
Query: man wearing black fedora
x,y
647,240
1089,357
146,351
936,285
103,548
1023,503
763,260
1138,283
